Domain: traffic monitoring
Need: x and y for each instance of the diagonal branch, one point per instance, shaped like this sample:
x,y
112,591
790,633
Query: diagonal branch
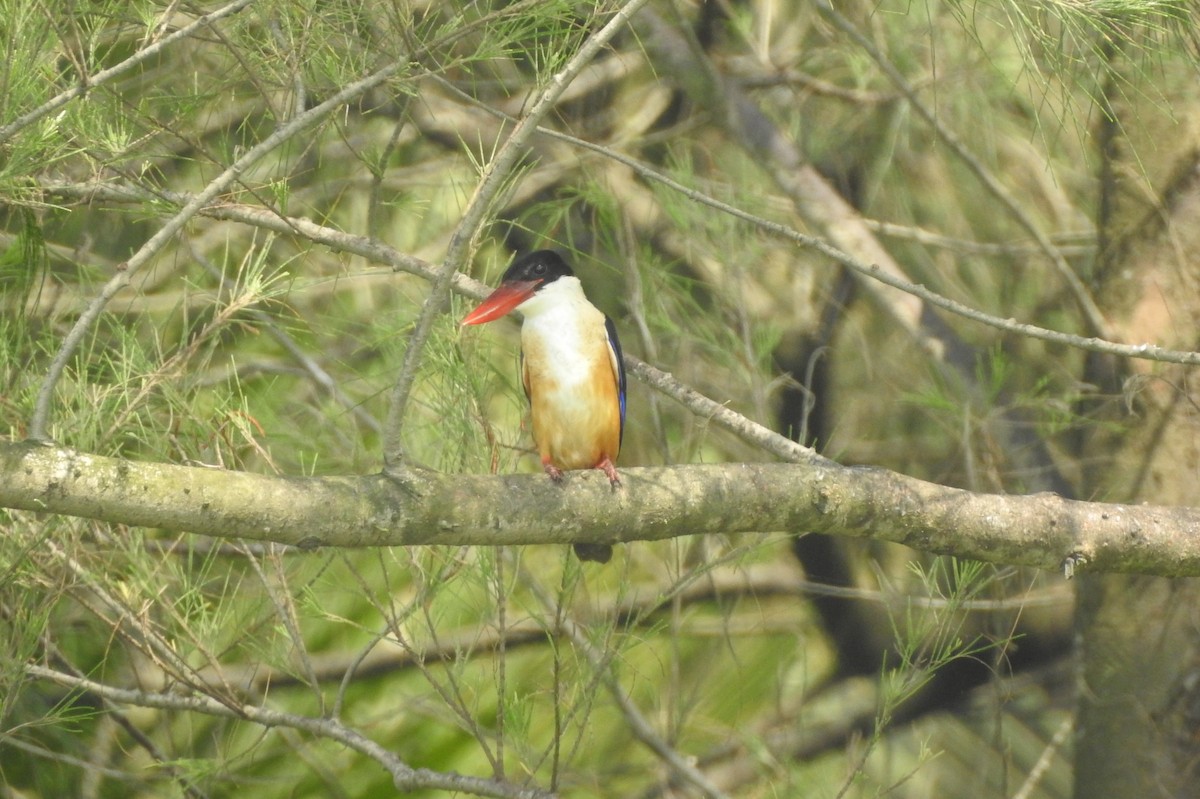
x,y
1096,323
89,82
405,777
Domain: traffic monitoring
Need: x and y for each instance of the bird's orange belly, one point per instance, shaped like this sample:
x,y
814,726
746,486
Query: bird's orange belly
x,y
576,426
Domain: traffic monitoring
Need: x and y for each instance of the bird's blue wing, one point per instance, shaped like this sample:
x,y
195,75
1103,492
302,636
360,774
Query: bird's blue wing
x,y
618,361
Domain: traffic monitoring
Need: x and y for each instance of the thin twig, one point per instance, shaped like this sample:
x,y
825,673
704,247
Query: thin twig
x,y
501,661
641,728
87,82
378,169
88,767
1034,778
309,364
405,777
1074,244
637,312
285,611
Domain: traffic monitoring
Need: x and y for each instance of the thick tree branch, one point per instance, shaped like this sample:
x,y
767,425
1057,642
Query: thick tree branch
x,y
415,508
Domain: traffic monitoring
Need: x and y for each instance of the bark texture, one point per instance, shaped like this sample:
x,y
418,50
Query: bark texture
x,y
415,508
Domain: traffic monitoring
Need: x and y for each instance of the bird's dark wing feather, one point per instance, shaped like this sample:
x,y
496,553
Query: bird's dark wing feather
x,y
618,361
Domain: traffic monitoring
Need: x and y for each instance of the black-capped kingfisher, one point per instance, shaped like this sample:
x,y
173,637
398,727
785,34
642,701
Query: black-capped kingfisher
x,y
571,368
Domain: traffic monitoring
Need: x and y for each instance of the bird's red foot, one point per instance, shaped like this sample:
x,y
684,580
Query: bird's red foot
x,y
607,467
555,473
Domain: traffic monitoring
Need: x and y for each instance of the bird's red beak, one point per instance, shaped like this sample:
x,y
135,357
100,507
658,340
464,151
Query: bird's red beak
x,y
501,301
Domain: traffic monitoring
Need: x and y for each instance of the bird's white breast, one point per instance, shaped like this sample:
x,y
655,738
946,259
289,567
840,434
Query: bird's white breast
x,y
564,332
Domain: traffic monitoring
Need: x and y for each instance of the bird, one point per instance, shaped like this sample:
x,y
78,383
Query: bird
x,y
572,370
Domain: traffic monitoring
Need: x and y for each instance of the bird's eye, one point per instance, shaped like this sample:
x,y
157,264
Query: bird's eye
x,y
539,269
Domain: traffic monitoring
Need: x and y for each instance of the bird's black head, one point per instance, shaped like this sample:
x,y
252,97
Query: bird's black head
x,y
528,275
541,267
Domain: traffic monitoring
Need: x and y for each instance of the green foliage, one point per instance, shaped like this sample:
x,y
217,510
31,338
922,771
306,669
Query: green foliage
x,y
247,344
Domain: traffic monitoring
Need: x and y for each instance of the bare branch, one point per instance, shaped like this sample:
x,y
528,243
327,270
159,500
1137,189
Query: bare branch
x,y
382,253
405,777
418,508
